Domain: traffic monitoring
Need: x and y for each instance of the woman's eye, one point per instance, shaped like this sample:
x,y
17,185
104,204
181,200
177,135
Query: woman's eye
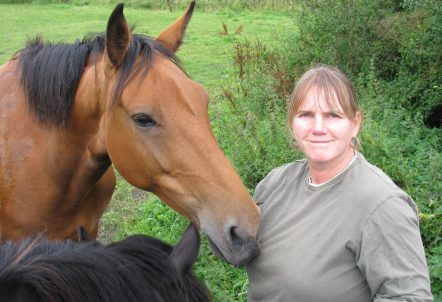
x,y
305,114
334,115
143,120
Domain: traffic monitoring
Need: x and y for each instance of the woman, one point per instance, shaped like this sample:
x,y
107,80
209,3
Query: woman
x,y
334,227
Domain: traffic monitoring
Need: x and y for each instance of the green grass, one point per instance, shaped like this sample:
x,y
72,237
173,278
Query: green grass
x,y
207,56
206,53
173,5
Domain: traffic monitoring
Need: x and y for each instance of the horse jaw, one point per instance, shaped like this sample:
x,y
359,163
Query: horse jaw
x,y
231,232
232,235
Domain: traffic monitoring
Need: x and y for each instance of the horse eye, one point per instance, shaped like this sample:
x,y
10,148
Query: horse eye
x,y
143,120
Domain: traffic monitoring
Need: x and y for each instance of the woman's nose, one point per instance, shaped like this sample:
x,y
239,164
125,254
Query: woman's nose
x,y
319,126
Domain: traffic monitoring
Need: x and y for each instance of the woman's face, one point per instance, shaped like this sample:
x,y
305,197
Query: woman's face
x,y
322,134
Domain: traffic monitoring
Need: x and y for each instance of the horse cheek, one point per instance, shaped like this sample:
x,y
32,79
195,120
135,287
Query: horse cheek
x,y
125,150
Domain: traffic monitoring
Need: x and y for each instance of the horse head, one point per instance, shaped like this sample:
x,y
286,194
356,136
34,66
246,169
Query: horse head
x,y
157,133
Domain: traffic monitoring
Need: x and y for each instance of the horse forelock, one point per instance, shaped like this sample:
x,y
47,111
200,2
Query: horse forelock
x,y
136,269
50,73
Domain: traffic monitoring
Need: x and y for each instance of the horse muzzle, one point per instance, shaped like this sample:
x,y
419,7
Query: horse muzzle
x,y
235,247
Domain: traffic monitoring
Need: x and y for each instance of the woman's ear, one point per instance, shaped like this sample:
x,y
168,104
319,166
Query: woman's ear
x,y
357,123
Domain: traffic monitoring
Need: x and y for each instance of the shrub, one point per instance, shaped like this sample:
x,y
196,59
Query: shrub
x,y
420,76
250,122
401,41
342,33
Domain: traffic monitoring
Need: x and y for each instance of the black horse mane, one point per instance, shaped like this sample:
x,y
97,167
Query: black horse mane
x,y
135,269
50,73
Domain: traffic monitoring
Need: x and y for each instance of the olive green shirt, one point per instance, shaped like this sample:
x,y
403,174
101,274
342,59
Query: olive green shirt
x,y
353,239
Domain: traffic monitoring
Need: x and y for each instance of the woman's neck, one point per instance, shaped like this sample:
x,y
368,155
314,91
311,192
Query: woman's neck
x,y
321,173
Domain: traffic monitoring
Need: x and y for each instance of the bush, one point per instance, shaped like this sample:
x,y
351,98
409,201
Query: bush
x,y
420,76
250,123
342,33
401,41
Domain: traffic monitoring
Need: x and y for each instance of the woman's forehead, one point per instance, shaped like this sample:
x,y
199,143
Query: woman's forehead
x,y
317,100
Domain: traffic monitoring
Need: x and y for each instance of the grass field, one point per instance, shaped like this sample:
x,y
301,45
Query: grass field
x,y
207,51
207,56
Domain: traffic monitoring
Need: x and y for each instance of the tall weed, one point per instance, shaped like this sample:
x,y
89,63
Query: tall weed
x,y
250,122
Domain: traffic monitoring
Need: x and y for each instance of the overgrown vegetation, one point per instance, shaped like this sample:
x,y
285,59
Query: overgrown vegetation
x,y
392,52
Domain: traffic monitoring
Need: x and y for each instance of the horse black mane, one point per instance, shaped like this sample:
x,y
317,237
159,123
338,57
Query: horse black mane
x,y
135,269
50,73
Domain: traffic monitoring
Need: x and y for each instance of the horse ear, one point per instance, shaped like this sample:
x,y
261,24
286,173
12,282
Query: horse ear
x,y
184,254
83,235
172,36
118,36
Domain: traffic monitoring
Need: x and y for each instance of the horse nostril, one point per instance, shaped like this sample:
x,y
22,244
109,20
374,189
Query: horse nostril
x,y
239,246
235,236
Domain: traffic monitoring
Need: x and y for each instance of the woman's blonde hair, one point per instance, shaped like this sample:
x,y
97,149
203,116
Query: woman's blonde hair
x,y
332,83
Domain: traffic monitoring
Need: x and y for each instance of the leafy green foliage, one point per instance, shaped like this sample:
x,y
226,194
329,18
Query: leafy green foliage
x,y
420,75
401,40
434,257
341,33
251,122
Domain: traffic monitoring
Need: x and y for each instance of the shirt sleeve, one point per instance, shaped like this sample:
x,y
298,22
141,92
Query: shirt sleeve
x,y
257,194
261,191
392,256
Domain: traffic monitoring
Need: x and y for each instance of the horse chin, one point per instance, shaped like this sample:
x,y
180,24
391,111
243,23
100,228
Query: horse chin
x,y
236,259
215,249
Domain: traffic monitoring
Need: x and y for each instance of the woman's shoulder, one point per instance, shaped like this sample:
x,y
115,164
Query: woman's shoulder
x,y
371,183
278,178
371,174
292,169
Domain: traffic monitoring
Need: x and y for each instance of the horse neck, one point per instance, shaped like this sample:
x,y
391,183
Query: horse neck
x,y
80,144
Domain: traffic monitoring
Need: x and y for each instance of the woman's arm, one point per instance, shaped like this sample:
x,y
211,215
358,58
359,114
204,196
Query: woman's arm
x,y
392,255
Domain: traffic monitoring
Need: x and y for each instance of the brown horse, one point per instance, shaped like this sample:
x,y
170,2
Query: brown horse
x,y
69,112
